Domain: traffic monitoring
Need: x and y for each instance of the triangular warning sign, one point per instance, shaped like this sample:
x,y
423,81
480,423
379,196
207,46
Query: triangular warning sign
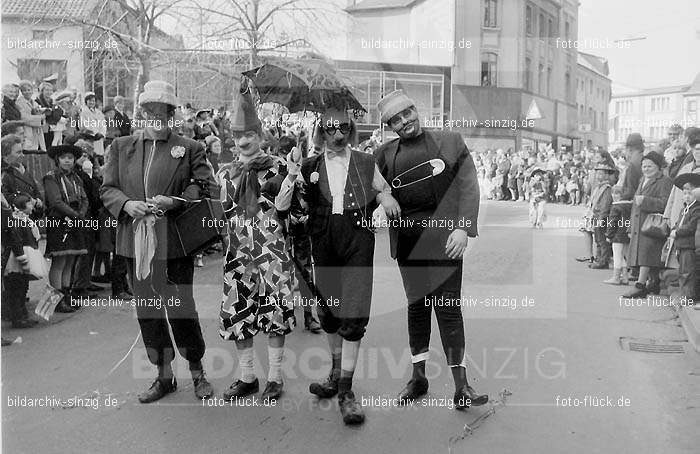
x,y
533,112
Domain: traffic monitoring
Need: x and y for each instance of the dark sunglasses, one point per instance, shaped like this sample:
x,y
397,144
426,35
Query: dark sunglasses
x,y
344,128
396,119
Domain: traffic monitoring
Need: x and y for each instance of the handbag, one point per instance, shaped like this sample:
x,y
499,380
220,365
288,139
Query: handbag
x,y
656,226
201,225
36,266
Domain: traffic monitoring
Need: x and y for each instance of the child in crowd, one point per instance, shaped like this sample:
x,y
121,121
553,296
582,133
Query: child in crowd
x,y
616,234
21,233
561,189
683,235
572,189
601,201
538,199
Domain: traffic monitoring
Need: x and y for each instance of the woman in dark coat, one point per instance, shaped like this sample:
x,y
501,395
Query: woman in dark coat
x,y
66,205
645,251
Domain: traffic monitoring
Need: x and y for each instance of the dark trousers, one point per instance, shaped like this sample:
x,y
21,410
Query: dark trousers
x,y
686,272
83,264
14,294
434,284
603,248
118,274
170,282
343,262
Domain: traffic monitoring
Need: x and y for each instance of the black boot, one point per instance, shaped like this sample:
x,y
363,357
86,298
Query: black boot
x,y
325,390
466,397
65,306
654,286
159,388
310,323
417,386
350,408
639,291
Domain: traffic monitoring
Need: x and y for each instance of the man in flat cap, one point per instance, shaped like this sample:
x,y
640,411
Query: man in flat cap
x,y
146,178
433,177
342,187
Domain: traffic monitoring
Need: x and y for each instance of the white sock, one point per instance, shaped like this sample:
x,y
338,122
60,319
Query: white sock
x,y
275,356
246,364
348,358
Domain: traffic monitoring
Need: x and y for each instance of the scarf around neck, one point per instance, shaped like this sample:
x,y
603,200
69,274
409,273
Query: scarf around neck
x,y
248,190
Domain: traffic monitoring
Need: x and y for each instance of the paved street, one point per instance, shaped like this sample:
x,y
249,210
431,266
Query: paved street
x,y
539,325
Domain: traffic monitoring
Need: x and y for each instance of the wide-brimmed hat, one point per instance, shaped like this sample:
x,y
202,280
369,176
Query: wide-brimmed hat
x,y
158,91
202,111
656,158
606,167
393,103
692,178
59,150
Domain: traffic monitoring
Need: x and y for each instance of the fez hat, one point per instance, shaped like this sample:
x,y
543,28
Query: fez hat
x,y
244,117
158,91
59,150
393,103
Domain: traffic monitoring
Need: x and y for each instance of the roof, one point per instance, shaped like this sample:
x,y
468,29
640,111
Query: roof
x,y
594,63
694,87
48,9
653,91
374,5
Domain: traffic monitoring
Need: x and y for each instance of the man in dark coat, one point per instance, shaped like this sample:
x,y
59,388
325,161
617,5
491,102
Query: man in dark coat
x,y
145,179
433,177
633,174
121,119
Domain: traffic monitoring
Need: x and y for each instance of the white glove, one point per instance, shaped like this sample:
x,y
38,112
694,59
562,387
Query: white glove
x,y
294,161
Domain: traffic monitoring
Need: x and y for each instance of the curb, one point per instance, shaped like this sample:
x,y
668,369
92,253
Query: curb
x,y
690,319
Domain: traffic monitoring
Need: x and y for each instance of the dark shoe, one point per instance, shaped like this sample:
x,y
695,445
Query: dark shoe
x,y
311,324
64,307
158,390
273,391
466,397
24,323
350,409
598,266
202,387
324,390
654,286
94,288
123,296
585,259
639,291
413,390
240,388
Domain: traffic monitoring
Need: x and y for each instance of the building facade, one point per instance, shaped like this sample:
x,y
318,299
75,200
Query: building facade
x,y
651,112
593,92
512,82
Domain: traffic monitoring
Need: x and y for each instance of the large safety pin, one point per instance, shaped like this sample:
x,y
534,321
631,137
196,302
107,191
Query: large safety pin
x,y
438,167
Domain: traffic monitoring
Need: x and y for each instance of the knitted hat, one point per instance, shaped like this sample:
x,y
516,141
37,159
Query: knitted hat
x,y
393,103
656,158
158,91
